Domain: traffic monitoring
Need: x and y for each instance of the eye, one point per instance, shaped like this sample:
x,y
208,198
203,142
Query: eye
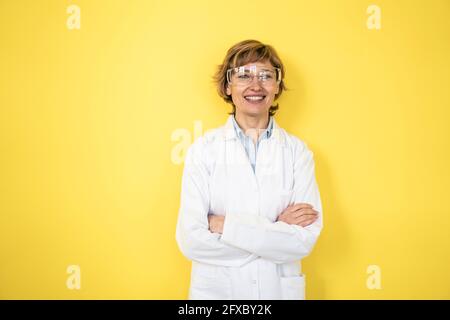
x,y
266,76
243,76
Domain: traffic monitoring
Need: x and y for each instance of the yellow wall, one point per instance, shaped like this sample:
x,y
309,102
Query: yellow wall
x,y
89,172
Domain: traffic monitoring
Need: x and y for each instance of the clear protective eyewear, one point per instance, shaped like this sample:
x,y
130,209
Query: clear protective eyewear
x,y
242,76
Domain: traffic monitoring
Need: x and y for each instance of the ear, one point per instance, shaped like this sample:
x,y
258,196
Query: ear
x,y
278,89
228,90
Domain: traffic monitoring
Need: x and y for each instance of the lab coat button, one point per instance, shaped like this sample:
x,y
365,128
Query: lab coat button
x,y
254,281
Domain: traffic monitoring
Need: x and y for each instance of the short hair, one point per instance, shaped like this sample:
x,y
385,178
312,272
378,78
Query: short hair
x,y
240,54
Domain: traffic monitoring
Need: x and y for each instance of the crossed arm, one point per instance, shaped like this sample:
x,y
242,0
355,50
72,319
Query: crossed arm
x,y
301,214
236,239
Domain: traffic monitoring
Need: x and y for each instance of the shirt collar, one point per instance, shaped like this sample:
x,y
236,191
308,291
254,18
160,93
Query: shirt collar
x,y
265,134
277,134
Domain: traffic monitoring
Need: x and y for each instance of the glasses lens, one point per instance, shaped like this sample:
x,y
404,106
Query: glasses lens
x,y
245,75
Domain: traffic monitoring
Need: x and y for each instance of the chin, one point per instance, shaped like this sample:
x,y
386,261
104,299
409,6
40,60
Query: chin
x,y
257,109
255,113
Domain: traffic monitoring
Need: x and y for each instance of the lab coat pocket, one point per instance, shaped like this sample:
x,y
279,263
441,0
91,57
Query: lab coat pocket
x,y
293,288
209,288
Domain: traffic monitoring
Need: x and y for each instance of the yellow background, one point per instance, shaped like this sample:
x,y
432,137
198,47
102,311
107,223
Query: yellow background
x,y
87,175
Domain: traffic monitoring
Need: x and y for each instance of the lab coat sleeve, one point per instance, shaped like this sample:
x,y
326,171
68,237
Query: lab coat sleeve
x,y
194,239
278,241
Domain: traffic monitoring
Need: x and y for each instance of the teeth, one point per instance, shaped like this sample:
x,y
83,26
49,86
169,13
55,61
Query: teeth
x,y
254,98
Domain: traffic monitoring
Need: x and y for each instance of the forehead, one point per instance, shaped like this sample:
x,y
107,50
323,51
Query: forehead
x,y
259,64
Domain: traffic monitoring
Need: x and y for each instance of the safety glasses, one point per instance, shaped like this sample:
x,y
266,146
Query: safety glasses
x,y
242,76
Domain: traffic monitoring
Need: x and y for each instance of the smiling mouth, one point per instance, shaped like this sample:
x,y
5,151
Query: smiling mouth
x,y
254,98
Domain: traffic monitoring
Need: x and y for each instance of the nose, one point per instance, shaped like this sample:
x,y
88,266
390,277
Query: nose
x,y
255,84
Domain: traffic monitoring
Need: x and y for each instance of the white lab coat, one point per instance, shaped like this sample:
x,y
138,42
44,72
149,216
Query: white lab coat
x,y
255,257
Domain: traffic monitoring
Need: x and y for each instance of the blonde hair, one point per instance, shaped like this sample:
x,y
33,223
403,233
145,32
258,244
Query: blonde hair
x,y
240,54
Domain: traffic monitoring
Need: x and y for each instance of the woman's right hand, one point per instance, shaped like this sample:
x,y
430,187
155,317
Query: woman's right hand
x,y
301,214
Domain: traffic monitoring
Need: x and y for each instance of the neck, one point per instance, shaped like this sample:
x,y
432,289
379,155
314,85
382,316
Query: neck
x,y
252,125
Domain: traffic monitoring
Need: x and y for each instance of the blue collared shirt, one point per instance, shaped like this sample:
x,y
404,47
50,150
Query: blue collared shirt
x,y
250,148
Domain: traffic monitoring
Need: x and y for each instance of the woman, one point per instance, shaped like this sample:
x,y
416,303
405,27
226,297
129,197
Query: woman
x,y
250,207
